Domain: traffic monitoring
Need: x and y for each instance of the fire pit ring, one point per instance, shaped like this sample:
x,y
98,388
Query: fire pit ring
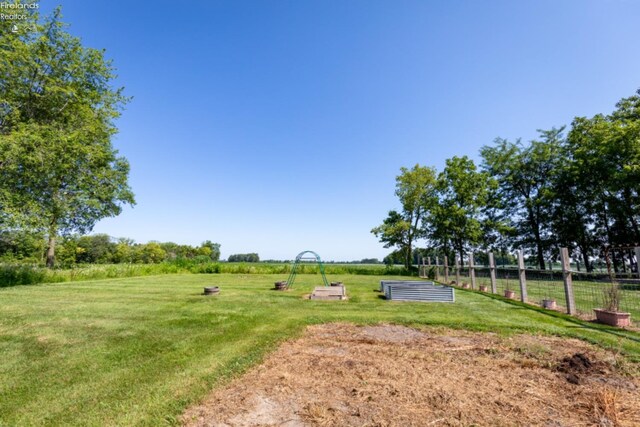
x,y
211,290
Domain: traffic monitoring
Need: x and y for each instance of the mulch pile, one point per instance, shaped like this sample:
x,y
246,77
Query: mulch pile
x,y
389,375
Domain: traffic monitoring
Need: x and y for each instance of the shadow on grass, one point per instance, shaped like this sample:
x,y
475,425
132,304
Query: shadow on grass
x,y
585,324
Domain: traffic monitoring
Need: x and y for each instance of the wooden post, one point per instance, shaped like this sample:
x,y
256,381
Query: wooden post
x,y
492,273
568,283
472,271
437,269
446,270
457,270
522,276
637,251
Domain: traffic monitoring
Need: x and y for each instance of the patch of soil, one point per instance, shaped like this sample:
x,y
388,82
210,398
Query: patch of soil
x,y
576,366
390,375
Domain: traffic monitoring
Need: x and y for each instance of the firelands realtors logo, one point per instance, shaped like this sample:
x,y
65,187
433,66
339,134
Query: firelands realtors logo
x,y
16,11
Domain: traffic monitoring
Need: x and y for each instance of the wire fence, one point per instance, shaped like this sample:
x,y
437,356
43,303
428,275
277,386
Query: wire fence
x,y
591,290
546,288
565,286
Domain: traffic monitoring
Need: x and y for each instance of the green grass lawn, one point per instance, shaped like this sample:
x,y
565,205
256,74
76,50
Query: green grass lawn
x,y
137,351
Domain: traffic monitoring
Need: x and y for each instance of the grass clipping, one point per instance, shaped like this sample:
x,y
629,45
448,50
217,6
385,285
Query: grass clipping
x,y
388,375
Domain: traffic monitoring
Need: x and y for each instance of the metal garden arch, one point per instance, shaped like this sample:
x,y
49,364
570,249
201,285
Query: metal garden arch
x,y
302,256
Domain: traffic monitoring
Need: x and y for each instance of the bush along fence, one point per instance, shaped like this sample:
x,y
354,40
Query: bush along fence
x,y
579,293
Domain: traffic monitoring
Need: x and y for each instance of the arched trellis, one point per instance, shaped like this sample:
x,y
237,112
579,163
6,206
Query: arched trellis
x,y
301,257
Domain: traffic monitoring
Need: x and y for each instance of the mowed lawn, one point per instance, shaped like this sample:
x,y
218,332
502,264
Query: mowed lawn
x,y
138,351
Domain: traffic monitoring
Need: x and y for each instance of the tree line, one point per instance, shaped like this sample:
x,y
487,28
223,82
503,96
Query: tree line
x,y
577,188
252,257
27,247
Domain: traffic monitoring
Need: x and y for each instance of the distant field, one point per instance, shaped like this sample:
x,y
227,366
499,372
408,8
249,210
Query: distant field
x,y
138,351
24,274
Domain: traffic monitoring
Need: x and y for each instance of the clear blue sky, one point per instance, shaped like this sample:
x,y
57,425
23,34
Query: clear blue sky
x,y
279,126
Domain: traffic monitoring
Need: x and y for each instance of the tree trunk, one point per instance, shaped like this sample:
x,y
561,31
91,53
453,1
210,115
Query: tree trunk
x,y
585,258
628,204
634,225
408,257
51,250
535,227
605,219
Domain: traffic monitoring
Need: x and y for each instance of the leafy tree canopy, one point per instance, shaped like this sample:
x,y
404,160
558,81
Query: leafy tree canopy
x,y
59,172
416,189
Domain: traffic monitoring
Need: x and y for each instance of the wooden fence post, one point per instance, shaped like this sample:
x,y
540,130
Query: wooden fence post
x,y
568,283
457,270
446,270
472,271
522,275
492,273
637,252
437,269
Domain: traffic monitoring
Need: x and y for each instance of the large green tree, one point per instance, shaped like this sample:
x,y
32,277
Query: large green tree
x,y
59,172
524,177
416,189
456,220
602,169
572,210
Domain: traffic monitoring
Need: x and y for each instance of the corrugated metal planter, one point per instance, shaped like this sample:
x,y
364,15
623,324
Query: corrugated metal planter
x,y
384,284
419,292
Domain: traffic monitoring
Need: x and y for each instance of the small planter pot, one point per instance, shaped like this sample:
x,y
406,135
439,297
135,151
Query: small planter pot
x,y
280,286
211,290
549,304
510,294
484,288
466,286
613,318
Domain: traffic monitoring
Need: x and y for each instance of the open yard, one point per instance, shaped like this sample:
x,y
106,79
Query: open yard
x,y
142,351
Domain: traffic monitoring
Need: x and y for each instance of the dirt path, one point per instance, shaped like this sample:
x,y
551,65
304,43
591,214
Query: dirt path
x,y
387,375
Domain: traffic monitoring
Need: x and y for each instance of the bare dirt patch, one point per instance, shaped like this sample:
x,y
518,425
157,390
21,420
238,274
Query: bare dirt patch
x,y
389,375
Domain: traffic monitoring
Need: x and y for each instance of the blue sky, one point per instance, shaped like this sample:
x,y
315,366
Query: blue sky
x,y
279,126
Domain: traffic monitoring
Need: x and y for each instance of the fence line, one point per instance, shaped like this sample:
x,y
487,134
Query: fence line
x,y
570,290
